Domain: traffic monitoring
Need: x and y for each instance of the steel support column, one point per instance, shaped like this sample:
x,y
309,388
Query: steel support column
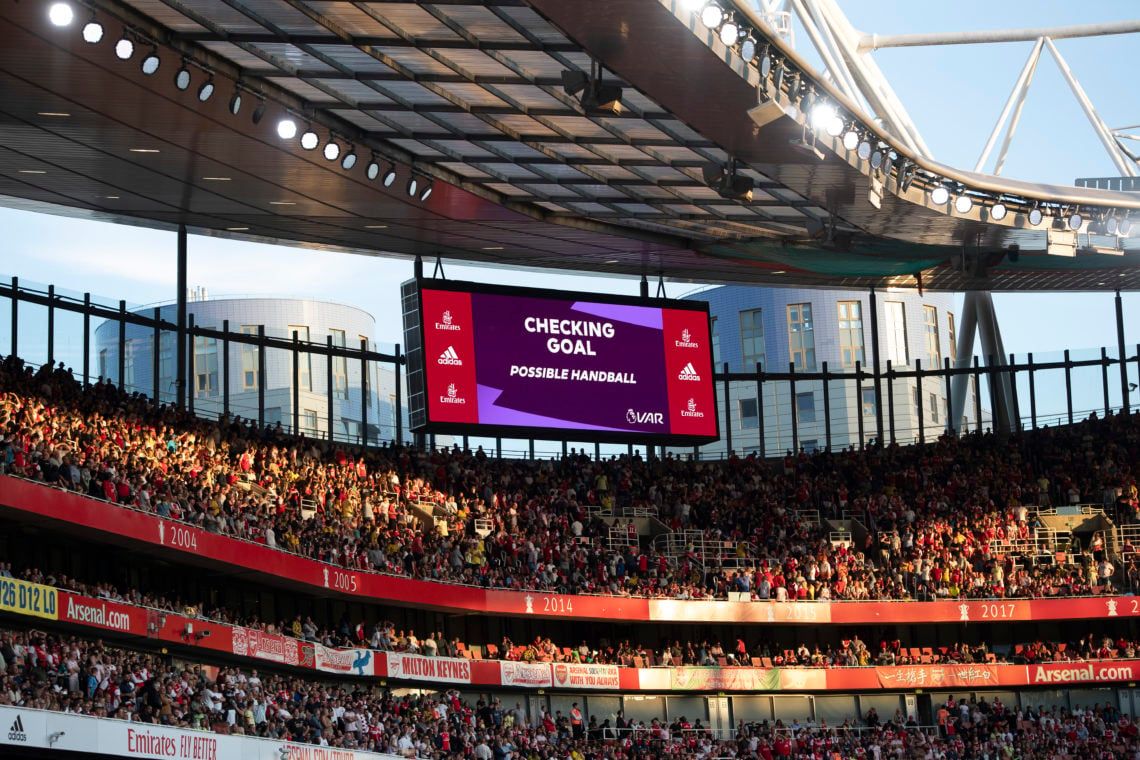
x,y
51,326
86,340
180,384
873,303
1120,355
364,391
225,368
964,353
398,368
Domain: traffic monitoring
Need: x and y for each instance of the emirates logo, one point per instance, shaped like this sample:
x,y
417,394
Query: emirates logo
x,y
446,317
691,410
452,396
451,388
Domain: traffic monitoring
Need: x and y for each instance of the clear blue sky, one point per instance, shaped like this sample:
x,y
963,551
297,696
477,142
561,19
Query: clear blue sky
x,y
953,93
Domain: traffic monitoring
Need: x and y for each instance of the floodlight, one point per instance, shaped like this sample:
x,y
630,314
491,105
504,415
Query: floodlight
x,y
426,192
1075,220
258,111
712,15
1035,216
574,81
60,14
206,90
939,195
1111,225
729,33
413,185
124,48
864,150
286,129
389,175
92,32
998,212
748,49
963,203
235,102
851,140
876,159
373,169
310,140
349,160
332,150
150,62
182,77
1125,227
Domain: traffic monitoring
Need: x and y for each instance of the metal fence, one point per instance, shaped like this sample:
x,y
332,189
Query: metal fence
x,y
766,412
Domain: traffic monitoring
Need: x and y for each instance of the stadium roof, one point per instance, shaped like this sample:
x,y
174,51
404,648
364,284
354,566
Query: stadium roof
x,y
470,93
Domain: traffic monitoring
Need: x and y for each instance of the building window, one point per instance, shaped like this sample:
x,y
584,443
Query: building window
x,y
308,421
205,366
952,339
715,344
166,366
749,415
869,402
272,415
305,359
805,407
249,357
930,326
103,364
933,405
801,337
752,338
129,365
850,333
896,334
810,446
340,366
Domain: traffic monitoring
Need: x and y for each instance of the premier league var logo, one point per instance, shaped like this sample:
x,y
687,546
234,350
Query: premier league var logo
x,y
631,417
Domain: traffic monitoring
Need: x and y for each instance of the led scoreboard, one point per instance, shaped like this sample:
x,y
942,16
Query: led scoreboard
x,y
517,362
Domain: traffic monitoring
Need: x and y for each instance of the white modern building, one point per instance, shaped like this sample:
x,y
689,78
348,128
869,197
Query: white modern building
x,y
312,321
813,330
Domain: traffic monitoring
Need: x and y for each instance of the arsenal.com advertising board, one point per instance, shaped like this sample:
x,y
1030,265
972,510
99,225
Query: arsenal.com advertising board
x,y
514,361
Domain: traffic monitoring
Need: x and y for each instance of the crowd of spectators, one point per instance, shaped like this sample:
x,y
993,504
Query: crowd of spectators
x,y
384,635
933,513
51,672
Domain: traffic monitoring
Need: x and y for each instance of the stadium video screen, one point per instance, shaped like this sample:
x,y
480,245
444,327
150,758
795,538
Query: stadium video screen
x,y
518,362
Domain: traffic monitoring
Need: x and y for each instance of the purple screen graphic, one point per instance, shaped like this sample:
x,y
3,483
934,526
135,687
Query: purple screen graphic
x,y
633,352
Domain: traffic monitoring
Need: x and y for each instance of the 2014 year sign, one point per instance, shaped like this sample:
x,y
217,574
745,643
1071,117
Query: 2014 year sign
x,y
514,361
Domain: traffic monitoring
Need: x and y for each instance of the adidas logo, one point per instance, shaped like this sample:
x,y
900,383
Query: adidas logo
x,y
449,357
686,340
16,732
689,372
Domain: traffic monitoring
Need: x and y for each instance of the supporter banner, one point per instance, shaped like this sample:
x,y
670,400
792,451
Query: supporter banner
x,y
102,613
1084,672
26,598
803,679
86,515
535,675
415,667
574,676
355,662
957,676
724,679
249,642
116,738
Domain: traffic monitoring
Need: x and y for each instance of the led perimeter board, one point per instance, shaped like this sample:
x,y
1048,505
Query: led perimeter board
x,y
523,363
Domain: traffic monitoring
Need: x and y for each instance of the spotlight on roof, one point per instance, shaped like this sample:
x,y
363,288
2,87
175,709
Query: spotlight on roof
x,y
748,49
206,90
851,140
258,111
235,102
286,129
1075,220
1125,227
124,48
332,150
729,32
182,77
906,175
864,149
60,14
150,62
372,171
425,193
92,31
963,203
939,195
825,119
1036,215
712,15
594,95
389,175
727,183
349,160
413,185
310,140
998,211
